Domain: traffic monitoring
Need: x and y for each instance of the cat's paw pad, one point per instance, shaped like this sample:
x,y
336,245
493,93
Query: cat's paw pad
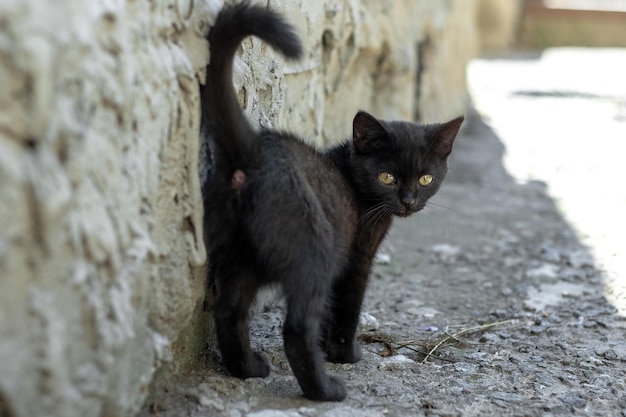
x,y
333,389
343,352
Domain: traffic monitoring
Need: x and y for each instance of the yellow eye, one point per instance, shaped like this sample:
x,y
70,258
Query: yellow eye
x,y
387,178
426,179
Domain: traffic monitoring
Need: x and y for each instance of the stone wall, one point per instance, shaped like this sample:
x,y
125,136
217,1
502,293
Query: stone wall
x,y
101,251
395,59
100,209
499,24
602,25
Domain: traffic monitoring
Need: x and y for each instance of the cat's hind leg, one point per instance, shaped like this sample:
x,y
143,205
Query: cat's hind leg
x,y
235,293
301,338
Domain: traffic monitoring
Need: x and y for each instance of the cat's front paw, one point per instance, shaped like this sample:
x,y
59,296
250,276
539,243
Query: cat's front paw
x,y
255,366
349,352
331,390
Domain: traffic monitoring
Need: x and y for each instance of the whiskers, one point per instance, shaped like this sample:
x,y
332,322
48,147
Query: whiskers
x,y
375,213
440,217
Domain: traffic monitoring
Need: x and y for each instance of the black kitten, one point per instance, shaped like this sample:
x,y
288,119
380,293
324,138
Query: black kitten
x,y
278,210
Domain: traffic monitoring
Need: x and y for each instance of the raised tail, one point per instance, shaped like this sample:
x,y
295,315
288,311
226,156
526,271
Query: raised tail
x,y
220,109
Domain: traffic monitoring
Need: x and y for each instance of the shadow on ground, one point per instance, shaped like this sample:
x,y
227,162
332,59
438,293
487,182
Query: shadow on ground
x,y
488,305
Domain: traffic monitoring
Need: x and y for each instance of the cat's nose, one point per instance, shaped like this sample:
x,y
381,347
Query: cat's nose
x,y
409,201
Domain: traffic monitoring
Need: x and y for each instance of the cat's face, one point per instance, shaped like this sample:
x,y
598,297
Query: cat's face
x,y
399,166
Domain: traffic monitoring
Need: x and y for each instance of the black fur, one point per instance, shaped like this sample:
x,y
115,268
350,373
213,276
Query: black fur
x,y
278,210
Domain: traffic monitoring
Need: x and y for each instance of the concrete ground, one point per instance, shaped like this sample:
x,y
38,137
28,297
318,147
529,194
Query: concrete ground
x,y
506,296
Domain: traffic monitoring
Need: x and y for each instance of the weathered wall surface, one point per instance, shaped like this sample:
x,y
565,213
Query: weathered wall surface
x,y
395,59
545,27
99,198
499,24
101,253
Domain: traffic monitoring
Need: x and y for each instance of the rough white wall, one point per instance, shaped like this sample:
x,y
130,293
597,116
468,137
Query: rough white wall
x,y
499,24
101,254
99,198
361,54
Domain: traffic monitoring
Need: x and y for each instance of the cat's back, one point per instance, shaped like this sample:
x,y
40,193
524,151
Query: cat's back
x,y
297,168
300,188
283,153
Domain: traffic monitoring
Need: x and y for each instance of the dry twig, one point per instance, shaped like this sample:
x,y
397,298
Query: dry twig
x,y
463,332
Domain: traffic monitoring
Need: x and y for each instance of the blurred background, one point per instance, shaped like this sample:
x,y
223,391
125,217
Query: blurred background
x,y
552,84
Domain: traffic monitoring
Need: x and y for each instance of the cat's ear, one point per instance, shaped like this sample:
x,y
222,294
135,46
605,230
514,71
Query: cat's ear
x,y
444,136
367,131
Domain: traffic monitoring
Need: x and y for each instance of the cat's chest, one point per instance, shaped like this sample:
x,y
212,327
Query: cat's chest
x,y
370,231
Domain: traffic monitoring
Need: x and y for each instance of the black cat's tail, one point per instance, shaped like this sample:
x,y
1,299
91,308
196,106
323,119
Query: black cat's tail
x,y
220,109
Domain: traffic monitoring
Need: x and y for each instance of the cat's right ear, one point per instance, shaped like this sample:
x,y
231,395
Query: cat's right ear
x,y
366,132
444,137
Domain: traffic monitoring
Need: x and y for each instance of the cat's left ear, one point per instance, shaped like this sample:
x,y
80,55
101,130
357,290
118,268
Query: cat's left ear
x,y
367,131
444,136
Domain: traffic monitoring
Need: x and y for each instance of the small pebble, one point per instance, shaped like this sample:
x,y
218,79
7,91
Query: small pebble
x,y
396,363
573,400
544,271
382,258
368,323
506,397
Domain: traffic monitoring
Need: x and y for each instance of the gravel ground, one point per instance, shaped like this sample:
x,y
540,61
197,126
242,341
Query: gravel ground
x,y
502,298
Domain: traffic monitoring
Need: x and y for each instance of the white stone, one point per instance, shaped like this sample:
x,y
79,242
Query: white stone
x,y
395,363
382,258
543,271
446,249
367,322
